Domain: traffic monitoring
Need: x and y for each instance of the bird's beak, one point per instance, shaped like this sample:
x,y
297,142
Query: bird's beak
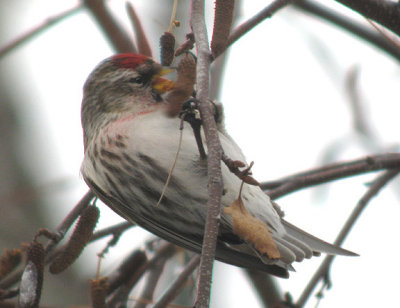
x,y
161,85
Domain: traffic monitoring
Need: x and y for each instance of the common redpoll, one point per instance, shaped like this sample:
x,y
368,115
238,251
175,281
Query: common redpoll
x,y
130,146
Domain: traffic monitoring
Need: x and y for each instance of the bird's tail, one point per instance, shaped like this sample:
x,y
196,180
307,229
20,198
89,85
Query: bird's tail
x,y
315,243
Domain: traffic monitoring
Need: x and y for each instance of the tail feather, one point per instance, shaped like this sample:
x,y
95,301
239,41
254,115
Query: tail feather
x,y
308,253
297,251
315,243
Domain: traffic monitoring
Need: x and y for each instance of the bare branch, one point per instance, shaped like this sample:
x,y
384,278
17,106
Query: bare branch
x,y
267,12
152,280
126,269
266,287
385,12
115,34
24,38
214,155
354,27
120,296
58,236
284,186
376,186
360,122
69,220
78,240
140,35
179,283
113,230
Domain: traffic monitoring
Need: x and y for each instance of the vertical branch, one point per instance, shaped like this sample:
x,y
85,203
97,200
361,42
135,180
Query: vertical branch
x,y
214,155
142,42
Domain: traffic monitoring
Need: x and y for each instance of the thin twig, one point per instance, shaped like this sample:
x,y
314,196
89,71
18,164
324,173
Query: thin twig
x,y
385,34
349,25
179,283
152,280
373,190
166,251
32,33
117,229
173,16
286,185
63,227
113,230
360,122
214,155
113,31
267,12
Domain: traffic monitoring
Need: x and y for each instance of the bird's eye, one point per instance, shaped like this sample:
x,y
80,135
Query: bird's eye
x,y
139,80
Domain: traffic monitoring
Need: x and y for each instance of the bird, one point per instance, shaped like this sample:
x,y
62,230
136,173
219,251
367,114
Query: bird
x,y
130,144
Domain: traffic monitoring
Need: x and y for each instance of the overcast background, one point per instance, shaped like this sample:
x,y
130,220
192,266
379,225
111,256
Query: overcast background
x,y
286,106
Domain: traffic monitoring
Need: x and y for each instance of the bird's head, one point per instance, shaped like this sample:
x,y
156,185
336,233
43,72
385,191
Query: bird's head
x,y
122,84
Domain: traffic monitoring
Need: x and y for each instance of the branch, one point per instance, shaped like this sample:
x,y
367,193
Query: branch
x,y
127,269
349,25
266,288
63,227
179,283
385,12
361,125
112,230
24,38
61,230
115,34
214,155
284,186
267,12
126,285
153,277
141,39
322,271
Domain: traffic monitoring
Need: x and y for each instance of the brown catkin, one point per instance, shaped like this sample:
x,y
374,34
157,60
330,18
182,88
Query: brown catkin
x,y
31,284
222,25
9,260
167,48
78,240
98,292
183,88
186,46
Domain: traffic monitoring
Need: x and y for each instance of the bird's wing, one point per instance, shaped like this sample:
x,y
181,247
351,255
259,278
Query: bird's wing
x,y
225,252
